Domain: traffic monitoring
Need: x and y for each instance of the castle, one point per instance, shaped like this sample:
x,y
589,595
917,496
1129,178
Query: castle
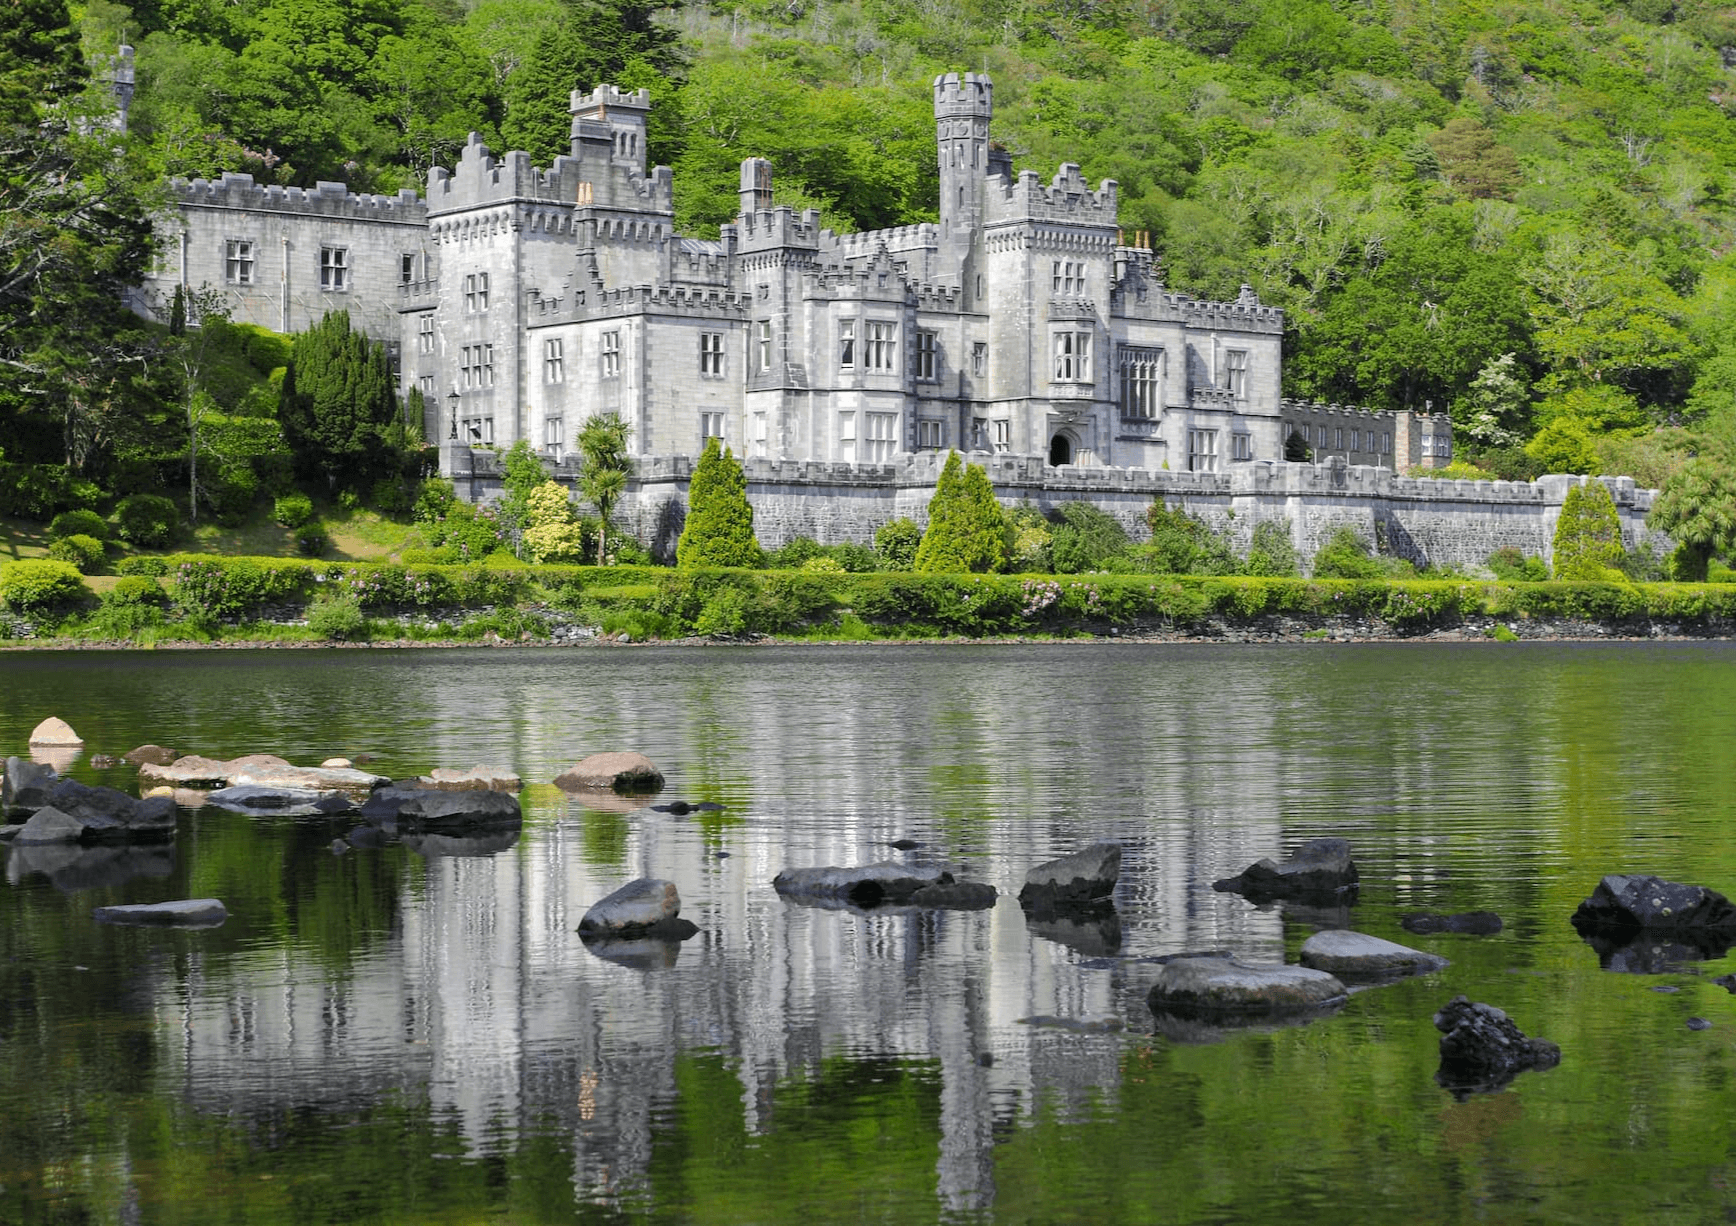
x,y
520,301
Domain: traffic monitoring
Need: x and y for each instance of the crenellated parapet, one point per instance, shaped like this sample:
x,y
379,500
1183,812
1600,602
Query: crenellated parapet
x,y
325,200
1065,198
924,236
592,176
709,302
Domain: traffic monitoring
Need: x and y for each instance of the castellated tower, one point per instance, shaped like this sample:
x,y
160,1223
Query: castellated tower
x,y
963,106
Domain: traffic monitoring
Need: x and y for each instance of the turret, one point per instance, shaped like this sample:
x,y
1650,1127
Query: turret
x,y
623,114
963,106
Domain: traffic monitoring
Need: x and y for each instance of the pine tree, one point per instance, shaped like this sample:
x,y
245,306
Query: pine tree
x,y
337,403
719,529
1588,534
967,530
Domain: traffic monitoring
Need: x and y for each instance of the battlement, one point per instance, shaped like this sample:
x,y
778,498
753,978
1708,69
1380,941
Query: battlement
x,y
696,300
1066,197
1245,314
923,236
606,98
778,227
574,180
1344,412
239,191
957,96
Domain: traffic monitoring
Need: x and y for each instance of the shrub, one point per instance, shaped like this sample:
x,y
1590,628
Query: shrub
x,y
147,521
1511,566
312,541
38,584
149,566
719,528
967,530
792,555
236,586
467,533
1346,556
393,497
41,491
1588,534
84,552
854,558
77,523
823,564
1033,542
337,617
1182,544
1271,552
724,614
895,543
136,590
1084,538
292,510
433,500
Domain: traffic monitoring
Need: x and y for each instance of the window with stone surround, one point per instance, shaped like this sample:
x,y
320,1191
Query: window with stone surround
x,y
610,354
710,426
927,346
425,333
406,268
1003,435
711,354
930,435
476,292
1236,372
880,349
847,437
478,431
1141,381
334,269
1202,451
1338,438
1356,440
1241,446
476,366
238,261
979,359
554,361
763,343
759,436
846,344
554,435
881,441
427,386
1069,279
1072,357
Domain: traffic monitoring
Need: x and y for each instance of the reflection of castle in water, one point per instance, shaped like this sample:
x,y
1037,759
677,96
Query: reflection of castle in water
x,y
484,1002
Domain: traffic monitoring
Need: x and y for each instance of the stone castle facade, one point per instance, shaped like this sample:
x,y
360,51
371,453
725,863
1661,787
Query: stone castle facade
x,y
521,300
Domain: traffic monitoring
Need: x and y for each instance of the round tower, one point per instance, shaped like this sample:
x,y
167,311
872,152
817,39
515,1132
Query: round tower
x,y
963,106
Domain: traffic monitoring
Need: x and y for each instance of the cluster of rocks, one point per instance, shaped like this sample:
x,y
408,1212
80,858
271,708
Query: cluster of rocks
x,y
59,810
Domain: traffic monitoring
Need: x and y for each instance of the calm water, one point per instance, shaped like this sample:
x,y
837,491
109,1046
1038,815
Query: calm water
x,y
391,1035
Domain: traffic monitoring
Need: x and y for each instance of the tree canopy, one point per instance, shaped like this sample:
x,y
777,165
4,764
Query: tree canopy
x,y
719,527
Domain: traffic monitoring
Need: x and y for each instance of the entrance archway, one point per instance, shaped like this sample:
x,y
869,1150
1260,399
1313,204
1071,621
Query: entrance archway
x,y
1060,451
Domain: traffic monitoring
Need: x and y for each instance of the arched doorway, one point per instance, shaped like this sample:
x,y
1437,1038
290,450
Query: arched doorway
x,y
1060,451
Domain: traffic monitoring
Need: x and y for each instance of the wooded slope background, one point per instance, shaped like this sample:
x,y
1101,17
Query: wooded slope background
x,y
1520,213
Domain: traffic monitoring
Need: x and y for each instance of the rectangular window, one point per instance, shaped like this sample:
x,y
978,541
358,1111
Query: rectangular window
x,y
882,438
846,343
765,346
1072,357
476,366
930,434
1003,435
1202,451
880,350
554,363
554,435
476,292
979,434
478,431
406,268
427,388
711,354
847,437
334,269
927,344
238,261
759,436
1356,440
1386,444
979,359
1068,279
1241,446
425,334
1236,373
611,354
710,426
1337,438
1141,381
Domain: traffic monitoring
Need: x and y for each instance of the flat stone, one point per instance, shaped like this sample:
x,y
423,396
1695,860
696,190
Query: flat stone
x,y
631,773
476,779
865,885
251,798
260,770
54,733
50,825
1318,867
1085,876
1357,955
1226,985
191,771
337,763
455,812
646,907
184,913
156,755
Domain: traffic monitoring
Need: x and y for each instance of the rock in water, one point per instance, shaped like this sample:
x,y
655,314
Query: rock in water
x,y
1482,1048
1215,984
27,784
156,755
646,907
866,885
1319,867
184,913
476,779
1357,955
1083,878
628,773
55,733
1624,904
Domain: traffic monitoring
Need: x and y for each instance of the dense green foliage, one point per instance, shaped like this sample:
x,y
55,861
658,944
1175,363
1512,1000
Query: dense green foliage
x,y
1697,507
33,585
606,465
719,527
338,407
148,521
1587,541
77,523
967,531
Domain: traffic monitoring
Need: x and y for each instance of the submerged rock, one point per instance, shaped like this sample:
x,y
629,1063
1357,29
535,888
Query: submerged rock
x,y
55,733
946,894
1084,878
184,913
1482,1049
260,770
1096,933
476,779
631,774
1476,923
866,885
1216,985
486,843
648,907
1624,904
1318,867
1357,955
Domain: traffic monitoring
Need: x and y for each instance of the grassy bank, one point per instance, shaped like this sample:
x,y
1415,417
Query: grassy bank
x,y
208,599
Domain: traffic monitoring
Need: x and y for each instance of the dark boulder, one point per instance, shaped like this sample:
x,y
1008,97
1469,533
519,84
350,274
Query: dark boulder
x,y
110,815
49,825
949,895
26,785
866,885
1482,1049
458,812
1474,923
648,907
1085,878
1318,868
156,755
1624,904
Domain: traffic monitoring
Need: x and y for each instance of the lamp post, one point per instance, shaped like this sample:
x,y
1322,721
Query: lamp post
x,y
452,400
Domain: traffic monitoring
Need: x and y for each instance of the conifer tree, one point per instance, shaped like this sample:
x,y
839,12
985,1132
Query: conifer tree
x,y
337,403
967,530
1588,534
719,529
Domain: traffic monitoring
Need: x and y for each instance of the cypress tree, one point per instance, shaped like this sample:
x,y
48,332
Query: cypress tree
x,y
967,530
719,528
1588,534
337,403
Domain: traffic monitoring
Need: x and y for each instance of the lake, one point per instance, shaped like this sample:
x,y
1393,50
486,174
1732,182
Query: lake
x,y
389,1035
